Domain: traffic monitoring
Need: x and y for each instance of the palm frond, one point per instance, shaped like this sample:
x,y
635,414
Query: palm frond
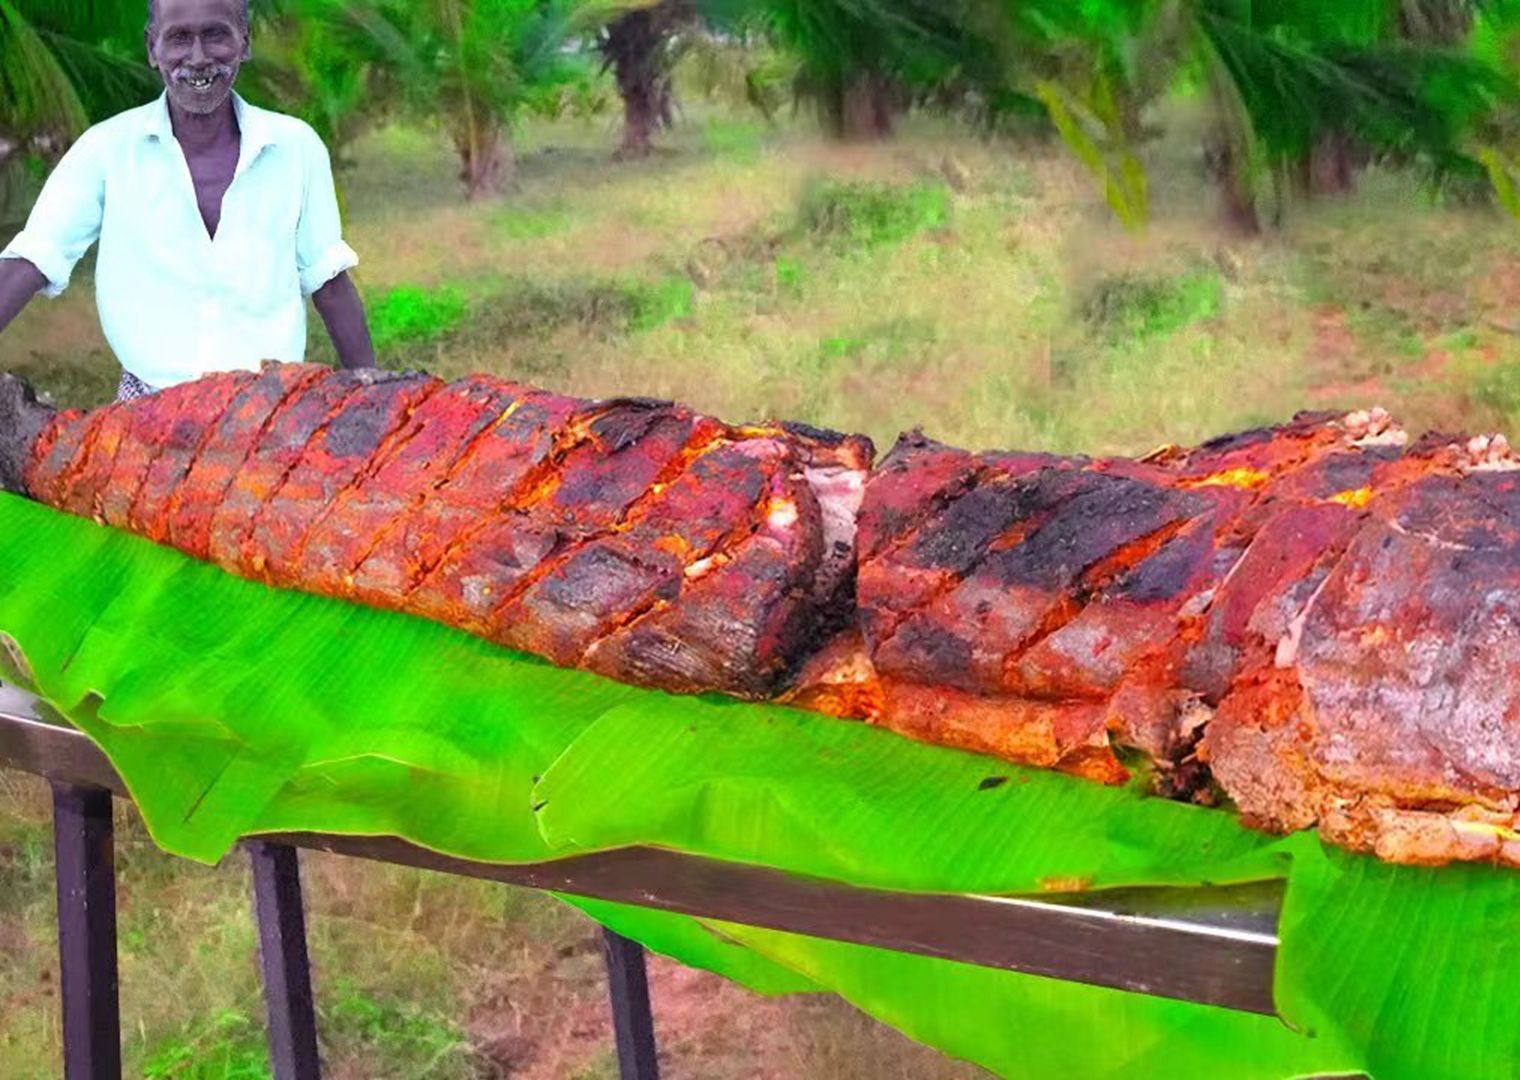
x,y
1091,130
302,65
36,94
1391,96
107,82
104,22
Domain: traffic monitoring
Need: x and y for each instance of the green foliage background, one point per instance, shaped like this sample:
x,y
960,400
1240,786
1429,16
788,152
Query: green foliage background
x,y
1429,84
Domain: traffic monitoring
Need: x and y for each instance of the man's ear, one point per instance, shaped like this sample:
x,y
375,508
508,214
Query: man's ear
x,y
151,45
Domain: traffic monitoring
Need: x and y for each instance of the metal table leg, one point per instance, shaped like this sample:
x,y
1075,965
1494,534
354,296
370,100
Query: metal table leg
x,y
86,873
632,1018
283,957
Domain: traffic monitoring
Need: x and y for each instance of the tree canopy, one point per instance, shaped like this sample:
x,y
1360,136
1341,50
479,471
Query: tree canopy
x,y
1299,93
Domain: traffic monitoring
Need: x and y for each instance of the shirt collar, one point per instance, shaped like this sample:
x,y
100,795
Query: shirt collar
x,y
255,132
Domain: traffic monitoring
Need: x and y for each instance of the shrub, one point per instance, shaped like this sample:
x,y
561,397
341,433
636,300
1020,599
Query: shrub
x,y
862,215
410,315
230,1046
1498,388
653,304
790,274
1139,306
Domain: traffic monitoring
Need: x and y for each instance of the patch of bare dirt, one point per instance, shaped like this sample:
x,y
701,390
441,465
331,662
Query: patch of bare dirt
x,y
551,1021
1435,364
1364,394
1335,361
539,1025
1429,308
14,942
1333,347
1497,292
712,1029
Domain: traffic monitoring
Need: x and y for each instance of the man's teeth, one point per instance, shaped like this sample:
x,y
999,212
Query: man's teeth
x,y
200,82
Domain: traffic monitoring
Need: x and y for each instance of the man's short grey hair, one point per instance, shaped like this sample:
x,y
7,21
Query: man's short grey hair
x,y
153,13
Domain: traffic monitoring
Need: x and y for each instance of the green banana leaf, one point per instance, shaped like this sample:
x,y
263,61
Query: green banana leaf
x,y
233,709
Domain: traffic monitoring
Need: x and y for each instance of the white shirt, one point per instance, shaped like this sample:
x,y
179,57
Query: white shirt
x,y
175,304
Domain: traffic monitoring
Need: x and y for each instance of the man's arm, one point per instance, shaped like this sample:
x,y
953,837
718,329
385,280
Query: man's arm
x,y
19,282
343,313
64,222
324,261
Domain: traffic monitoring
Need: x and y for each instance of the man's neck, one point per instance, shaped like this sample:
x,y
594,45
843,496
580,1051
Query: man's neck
x,y
210,131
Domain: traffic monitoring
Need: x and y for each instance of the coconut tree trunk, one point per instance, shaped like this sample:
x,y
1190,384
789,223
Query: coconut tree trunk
x,y
867,108
633,46
1226,150
1239,204
1237,195
1332,165
485,159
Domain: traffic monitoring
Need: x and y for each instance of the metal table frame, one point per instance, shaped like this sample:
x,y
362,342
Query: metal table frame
x,y
1212,946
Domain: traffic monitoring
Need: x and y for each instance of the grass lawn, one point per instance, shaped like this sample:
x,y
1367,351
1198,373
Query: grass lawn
x,y
977,289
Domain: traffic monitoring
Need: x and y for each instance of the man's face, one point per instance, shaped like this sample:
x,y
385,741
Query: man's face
x,y
198,47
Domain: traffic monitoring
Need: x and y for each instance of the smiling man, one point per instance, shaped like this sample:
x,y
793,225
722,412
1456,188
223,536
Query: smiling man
x,y
215,220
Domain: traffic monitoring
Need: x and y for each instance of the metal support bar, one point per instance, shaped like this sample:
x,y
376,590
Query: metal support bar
x,y
632,1018
286,966
86,870
1214,946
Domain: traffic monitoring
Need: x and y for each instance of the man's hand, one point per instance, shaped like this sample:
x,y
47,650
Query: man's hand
x,y
19,282
343,313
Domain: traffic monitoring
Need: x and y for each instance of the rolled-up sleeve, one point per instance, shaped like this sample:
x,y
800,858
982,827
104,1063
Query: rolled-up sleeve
x,y
321,253
66,218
